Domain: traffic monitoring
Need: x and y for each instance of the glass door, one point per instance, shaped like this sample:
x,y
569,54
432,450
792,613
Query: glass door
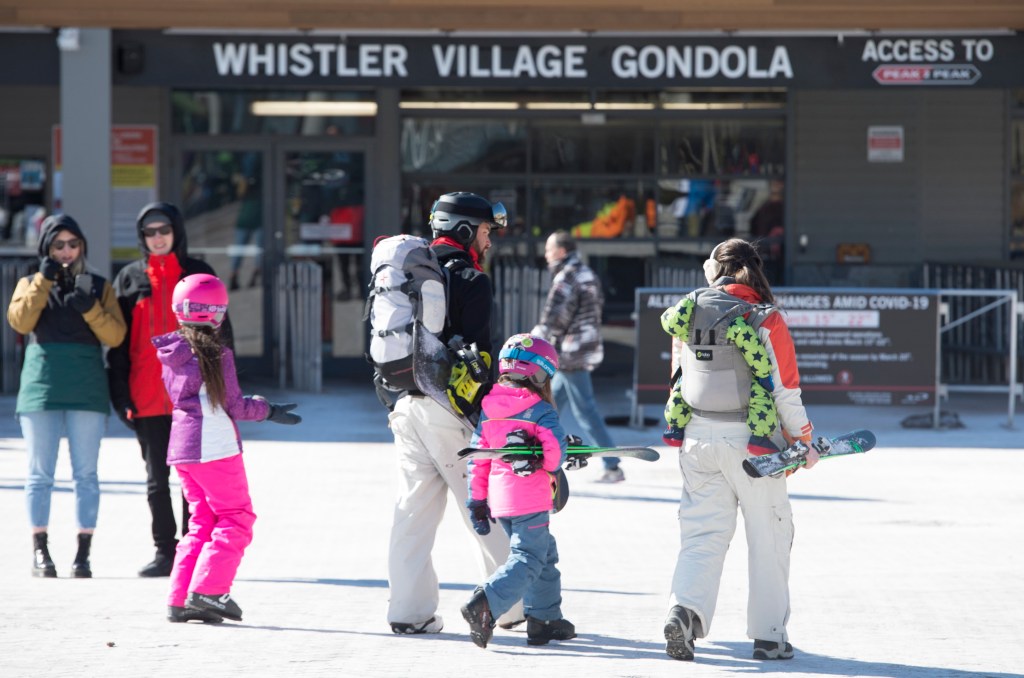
x,y
324,215
222,197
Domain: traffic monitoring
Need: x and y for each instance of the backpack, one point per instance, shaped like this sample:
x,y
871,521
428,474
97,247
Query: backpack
x,y
407,287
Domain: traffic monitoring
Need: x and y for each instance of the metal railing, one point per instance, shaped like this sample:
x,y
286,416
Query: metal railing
x,y
520,290
11,343
300,325
977,352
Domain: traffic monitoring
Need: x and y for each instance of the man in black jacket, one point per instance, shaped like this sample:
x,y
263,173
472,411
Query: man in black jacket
x,y
144,289
428,436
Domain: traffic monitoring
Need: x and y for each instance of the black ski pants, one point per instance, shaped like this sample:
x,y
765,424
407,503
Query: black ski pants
x,y
154,434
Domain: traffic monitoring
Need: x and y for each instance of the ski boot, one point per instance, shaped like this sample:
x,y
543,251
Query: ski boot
x,y
180,615
221,604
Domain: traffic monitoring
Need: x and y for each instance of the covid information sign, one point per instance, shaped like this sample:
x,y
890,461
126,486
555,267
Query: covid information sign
x,y
853,346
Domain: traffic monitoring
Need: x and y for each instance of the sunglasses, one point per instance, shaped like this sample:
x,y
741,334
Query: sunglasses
x,y
165,229
74,244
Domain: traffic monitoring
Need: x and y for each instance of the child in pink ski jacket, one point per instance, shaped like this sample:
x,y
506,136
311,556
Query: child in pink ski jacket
x,y
519,410
199,374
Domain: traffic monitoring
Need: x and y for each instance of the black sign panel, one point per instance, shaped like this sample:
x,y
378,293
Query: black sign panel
x,y
31,58
853,346
290,60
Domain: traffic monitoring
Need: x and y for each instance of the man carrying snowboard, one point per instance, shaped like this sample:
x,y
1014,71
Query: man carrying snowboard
x,y
428,436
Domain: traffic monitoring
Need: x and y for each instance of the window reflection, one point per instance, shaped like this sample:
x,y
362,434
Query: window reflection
x,y
230,112
434,145
563,147
724,147
593,209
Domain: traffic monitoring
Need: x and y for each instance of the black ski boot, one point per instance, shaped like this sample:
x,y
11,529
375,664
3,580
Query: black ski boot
x,y
221,604
42,564
680,630
180,615
80,568
539,632
477,612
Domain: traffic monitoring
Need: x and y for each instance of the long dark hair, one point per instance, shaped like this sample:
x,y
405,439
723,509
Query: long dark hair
x,y
740,260
207,346
544,390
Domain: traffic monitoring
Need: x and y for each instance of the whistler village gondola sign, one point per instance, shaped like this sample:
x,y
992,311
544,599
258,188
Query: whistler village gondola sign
x,y
567,61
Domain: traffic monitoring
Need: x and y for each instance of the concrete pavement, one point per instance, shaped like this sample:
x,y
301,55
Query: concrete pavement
x,y
908,561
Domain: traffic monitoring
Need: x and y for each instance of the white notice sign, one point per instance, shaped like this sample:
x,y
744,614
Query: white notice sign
x,y
885,144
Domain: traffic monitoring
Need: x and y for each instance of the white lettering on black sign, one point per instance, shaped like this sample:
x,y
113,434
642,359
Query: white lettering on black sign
x,y
700,61
300,59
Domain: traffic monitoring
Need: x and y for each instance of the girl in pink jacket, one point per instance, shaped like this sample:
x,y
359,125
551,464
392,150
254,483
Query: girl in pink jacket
x,y
519,410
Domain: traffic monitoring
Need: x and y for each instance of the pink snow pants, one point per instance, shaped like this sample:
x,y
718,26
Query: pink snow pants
x,y
219,529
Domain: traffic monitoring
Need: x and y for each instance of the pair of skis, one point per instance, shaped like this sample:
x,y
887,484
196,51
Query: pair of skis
x,y
769,465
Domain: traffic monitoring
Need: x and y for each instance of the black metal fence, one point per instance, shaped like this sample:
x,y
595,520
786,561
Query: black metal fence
x,y
977,352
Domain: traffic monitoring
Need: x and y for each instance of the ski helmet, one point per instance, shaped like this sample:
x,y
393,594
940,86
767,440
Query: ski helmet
x,y
200,300
458,215
525,356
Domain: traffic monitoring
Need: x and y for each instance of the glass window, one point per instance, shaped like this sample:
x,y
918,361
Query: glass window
x,y
612,148
590,208
22,200
1017,218
244,112
458,145
716,147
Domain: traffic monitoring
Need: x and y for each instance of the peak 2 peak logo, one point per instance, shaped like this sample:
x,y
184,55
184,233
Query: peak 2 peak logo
x,y
927,74
900,60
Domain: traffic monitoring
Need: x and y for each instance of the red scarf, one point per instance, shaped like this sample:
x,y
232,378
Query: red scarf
x,y
445,240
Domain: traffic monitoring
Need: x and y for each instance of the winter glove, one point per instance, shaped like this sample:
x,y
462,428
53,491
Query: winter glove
x,y
480,514
281,413
49,267
524,465
126,412
81,298
464,391
573,441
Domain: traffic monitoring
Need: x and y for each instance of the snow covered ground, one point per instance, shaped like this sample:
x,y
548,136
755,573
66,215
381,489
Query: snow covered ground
x,y
908,561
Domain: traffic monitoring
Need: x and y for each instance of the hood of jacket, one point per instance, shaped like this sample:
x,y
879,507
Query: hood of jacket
x,y
738,290
174,218
570,259
172,349
505,401
54,224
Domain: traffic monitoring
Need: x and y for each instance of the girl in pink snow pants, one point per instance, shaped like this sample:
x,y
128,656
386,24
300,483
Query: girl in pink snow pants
x,y
205,448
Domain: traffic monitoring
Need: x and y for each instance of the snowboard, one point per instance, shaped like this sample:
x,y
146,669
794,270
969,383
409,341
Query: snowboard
x,y
509,454
795,455
431,369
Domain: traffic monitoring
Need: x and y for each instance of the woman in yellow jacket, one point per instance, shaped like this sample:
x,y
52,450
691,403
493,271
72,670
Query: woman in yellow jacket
x,y
68,314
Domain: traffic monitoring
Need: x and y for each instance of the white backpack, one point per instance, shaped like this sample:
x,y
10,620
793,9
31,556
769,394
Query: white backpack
x,y
407,286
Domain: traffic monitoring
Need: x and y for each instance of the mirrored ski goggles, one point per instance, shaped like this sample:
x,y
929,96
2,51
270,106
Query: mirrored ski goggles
x,y
499,215
153,231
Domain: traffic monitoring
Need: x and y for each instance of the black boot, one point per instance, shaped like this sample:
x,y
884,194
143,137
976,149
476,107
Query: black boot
x,y
42,565
160,566
219,604
478,613
539,632
80,568
180,615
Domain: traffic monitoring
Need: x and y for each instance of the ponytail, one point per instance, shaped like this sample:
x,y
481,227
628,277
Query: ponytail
x,y
740,260
206,344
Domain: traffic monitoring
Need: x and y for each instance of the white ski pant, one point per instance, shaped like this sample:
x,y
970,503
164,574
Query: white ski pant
x,y
428,439
714,484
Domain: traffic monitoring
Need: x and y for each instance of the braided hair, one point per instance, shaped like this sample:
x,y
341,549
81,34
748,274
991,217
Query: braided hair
x,y
740,260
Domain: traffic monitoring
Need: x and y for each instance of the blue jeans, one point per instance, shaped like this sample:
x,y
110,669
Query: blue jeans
x,y
529,573
575,389
42,432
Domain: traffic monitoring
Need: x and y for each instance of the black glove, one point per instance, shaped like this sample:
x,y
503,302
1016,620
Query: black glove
x,y
125,412
281,413
81,298
573,441
50,267
480,514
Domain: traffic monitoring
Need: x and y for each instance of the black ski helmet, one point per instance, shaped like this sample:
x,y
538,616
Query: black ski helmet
x,y
458,215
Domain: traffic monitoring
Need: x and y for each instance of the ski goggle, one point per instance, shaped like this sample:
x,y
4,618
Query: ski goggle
x,y
499,215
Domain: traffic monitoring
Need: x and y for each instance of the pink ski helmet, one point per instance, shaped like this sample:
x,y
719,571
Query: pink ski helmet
x,y
525,356
201,300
